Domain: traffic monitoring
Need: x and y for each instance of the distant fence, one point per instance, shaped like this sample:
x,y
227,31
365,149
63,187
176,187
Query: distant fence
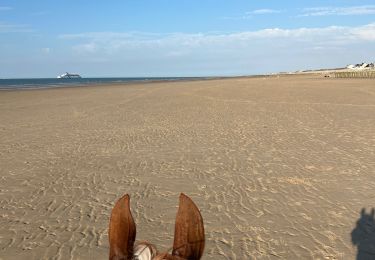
x,y
355,74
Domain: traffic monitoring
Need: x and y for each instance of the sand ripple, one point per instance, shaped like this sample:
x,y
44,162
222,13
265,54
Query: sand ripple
x,y
280,168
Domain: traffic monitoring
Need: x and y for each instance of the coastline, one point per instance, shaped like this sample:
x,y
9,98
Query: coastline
x,y
101,82
120,81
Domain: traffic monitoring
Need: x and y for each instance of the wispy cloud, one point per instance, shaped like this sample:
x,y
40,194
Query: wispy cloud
x,y
112,41
5,8
13,28
263,11
352,10
251,14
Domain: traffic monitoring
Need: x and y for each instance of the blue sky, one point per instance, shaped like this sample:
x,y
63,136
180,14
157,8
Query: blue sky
x,y
141,38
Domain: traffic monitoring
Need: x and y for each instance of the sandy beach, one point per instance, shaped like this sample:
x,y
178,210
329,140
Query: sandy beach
x,y
280,167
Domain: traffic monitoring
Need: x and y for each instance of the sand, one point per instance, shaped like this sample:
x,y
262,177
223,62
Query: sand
x,y
280,167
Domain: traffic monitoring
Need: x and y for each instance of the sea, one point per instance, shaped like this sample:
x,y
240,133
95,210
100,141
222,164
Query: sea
x,y
40,83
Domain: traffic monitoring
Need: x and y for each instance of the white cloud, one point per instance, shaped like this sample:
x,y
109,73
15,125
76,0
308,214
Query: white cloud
x,y
365,33
352,10
264,11
251,14
111,42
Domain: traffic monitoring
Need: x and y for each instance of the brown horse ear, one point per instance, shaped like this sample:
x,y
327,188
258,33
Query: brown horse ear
x,y
122,230
189,231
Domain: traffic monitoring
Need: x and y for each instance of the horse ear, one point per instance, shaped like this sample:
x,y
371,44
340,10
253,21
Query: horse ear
x,y
122,230
189,230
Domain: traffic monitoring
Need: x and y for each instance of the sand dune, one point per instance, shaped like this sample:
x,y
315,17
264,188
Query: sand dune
x,y
280,167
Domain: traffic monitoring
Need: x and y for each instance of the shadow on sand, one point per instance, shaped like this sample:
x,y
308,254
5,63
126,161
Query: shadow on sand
x,y
363,235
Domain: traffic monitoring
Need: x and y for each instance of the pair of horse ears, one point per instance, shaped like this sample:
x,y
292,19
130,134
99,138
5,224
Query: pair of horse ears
x,y
189,237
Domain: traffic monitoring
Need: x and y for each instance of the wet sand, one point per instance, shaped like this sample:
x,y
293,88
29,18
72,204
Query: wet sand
x,y
280,167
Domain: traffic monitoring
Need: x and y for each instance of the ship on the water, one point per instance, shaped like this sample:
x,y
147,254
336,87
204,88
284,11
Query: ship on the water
x,y
69,76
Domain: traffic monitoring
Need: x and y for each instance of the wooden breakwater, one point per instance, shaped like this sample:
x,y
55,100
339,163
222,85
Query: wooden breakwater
x,y
355,74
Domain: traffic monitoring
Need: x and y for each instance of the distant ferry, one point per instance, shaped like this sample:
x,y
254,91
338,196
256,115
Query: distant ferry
x,y
69,76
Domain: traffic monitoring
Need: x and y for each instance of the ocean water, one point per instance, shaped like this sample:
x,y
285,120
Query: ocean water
x,y
15,84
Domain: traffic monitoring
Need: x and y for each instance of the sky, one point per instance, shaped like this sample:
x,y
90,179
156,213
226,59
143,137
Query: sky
x,y
165,38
